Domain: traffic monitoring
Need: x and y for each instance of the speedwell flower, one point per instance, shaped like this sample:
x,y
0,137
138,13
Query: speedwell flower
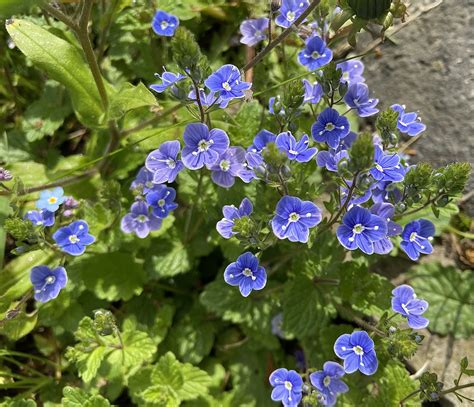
x,y
328,382
164,163
315,55
405,302
230,164
386,211
408,123
51,199
74,238
416,238
330,159
143,182
330,127
231,213
47,283
140,221
387,167
290,10
312,92
295,150
357,351
40,218
246,273
226,81
162,201
167,79
287,387
357,97
254,152
352,71
164,24
253,31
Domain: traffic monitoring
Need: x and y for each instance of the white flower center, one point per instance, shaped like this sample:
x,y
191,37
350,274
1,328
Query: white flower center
x,y
358,350
142,218
225,165
413,237
288,385
164,25
358,229
379,167
50,280
204,145
329,126
170,163
226,86
315,54
149,184
327,381
73,239
290,16
161,202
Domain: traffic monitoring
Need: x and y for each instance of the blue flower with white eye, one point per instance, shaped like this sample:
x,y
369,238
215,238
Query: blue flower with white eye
x,y
405,303
294,150
328,382
287,387
51,199
40,218
162,201
163,163
360,229
315,55
227,83
140,221
47,283
387,167
260,142
74,238
143,182
246,273
208,99
312,92
416,237
253,31
164,24
386,191
357,97
231,213
352,71
385,211
294,218
201,146
331,159
330,127
168,79
290,10
408,123
230,164
357,351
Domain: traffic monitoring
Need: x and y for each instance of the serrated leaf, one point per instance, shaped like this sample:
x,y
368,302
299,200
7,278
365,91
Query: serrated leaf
x,y
75,397
130,97
138,348
248,123
90,365
170,259
450,294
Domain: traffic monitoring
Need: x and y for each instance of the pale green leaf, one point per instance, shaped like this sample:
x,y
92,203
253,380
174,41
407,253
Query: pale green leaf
x,y
130,97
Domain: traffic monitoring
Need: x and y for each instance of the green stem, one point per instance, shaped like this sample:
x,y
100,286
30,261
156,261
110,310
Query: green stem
x,y
456,388
191,209
413,393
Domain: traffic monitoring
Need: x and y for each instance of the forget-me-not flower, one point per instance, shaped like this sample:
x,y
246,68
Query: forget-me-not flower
x,y
164,24
290,10
162,201
231,213
227,83
246,273
47,283
357,97
139,220
287,387
416,237
315,54
164,163
330,127
51,199
357,351
74,238
352,71
408,123
41,217
295,150
328,382
406,303
253,31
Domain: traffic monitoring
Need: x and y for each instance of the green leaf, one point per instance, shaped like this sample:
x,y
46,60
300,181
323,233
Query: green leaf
x,y
74,397
247,124
450,294
19,326
130,97
4,212
111,276
171,259
10,7
62,62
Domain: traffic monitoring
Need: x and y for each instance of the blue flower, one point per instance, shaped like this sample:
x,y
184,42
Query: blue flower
x,y
74,238
357,97
209,99
328,382
298,151
416,238
140,221
385,211
254,152
231,213
293,219
405,302
408,123
47,283
40,218
230,164
163,163
226,82
290,10
330,127
360,229
287,387
315,54
277,326
357,351
312,93
387,167
331,159
386,191
162,201
168,79
352,71
164,24
246,274
51,199
275,106
202,147
143,182
253,31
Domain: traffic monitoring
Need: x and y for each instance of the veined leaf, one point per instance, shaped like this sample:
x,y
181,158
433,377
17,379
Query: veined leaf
x,y
130,97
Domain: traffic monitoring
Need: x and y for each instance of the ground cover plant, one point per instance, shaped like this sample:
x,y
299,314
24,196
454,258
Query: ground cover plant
x,y
197,203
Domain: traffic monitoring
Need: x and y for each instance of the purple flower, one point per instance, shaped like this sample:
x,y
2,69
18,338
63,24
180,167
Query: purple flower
x,y
254,152
51,199
71,203
385,211
230,164
360,229
74,238
352,71
405,302
164,24
231,213
246,274
162,201
293,219
274,103
5,175
227,83
143,183
330,127
357,97
209,99
253,31
168,79
40,218
290,10
416,238
287,387
312,93
387,167
140,221
202,146
357,351
315,54
386,191
331,159
163,163
294,150
47,282
328,382
408,123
